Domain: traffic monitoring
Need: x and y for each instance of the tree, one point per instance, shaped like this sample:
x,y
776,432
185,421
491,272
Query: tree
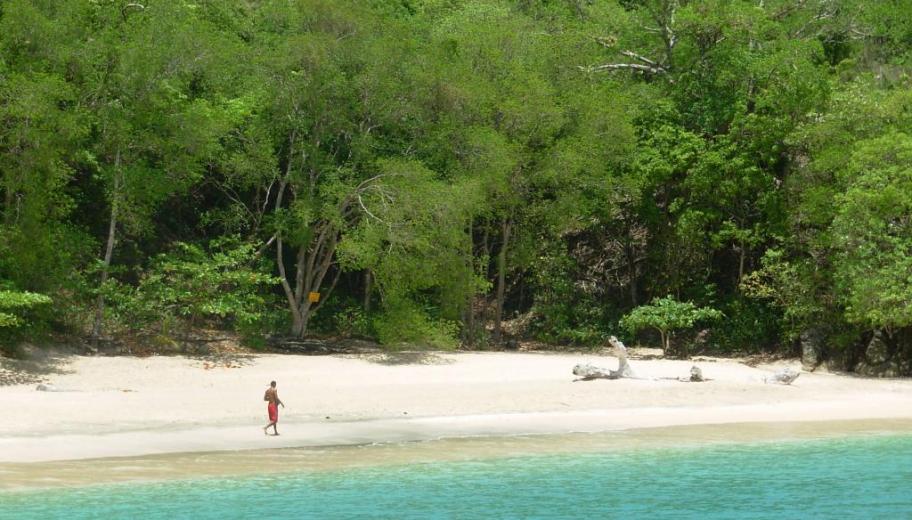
x,y
153,128
415,240
40,133
667,315
327,100
872,233
503,118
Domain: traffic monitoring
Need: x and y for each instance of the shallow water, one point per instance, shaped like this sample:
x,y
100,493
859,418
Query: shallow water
x,y
861,475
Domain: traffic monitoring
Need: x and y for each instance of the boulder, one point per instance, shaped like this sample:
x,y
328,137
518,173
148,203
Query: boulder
x,y
880,358
811,341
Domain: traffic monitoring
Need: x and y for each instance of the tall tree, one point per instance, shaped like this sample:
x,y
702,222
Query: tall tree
x,y
153,128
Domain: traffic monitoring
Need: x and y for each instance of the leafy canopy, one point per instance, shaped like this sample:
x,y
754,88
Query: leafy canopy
x,y
667,314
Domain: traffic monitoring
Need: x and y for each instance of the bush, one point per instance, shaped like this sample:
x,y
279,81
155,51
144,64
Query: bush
x,y
191,285
14,305
750,326
342,315
402,324
667,315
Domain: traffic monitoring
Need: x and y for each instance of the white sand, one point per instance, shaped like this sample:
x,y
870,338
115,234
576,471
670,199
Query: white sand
x,y
133,406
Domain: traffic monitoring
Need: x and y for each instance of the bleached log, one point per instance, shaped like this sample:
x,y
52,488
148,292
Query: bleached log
x,y
786,376
588,372
621,352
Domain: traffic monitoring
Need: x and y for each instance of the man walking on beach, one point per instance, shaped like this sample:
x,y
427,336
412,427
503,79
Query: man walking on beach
x,y
272,396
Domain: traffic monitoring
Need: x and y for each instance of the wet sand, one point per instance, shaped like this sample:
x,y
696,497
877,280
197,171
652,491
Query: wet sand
x,y
245,463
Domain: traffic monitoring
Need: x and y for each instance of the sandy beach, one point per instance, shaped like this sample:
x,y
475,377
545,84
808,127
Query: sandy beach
x,y
124,406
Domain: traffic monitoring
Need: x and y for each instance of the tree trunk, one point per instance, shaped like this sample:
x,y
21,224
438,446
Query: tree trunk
x,y
367,291
741,262
468,336
312,264
301,320
8,206
297,324
664,336
631,274
501,281
109,250
486,255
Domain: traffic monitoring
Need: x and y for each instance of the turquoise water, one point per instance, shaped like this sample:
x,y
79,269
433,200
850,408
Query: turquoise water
x,y
854,477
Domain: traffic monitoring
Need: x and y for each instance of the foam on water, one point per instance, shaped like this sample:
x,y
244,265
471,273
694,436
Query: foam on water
x,y
848,477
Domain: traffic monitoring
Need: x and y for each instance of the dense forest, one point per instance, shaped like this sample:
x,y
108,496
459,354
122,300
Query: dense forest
x,y
462,172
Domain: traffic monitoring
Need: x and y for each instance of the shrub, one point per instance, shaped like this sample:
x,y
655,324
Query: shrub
x,y
191,285
667,315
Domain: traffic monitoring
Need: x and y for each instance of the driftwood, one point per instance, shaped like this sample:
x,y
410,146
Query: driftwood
x,y
588,372
696,376
786,376
42,387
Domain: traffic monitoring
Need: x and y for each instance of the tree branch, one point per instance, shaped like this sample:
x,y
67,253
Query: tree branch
x,y
620,66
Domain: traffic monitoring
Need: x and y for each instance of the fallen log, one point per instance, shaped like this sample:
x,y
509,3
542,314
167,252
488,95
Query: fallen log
x,y
588,372
786,376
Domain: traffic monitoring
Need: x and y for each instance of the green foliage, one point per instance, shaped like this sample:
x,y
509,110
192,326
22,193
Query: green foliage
x,y
667,315
559,160
872,233
791,287
566,311
14,304
195,286
750,326
402,324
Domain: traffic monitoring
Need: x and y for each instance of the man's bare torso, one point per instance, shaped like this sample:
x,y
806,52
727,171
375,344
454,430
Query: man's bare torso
x,y
272,395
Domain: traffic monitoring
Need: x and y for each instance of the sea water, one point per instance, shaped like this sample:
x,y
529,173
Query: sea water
x,y
850,477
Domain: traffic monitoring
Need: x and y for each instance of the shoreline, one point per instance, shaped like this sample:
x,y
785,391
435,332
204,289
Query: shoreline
x,y
130,407
82,446
163,467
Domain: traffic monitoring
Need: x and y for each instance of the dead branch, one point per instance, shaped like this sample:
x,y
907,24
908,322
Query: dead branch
x,y
622,66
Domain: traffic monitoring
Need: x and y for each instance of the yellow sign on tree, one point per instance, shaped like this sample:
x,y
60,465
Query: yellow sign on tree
x,y
313,297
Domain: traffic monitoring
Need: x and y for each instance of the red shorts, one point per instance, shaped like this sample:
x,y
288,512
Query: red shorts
x,y
273,412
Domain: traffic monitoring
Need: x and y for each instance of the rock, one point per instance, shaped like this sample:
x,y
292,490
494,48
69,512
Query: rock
x,y
882,357
811,341
696,375
786,376
887,369
878,351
